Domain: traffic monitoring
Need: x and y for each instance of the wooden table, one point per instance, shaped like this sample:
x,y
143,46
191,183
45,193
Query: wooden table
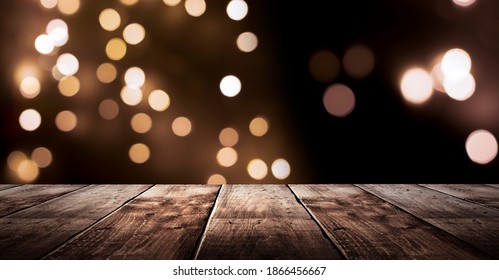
x,y
249,222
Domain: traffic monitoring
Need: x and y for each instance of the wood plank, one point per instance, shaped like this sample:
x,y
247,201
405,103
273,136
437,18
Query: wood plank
x,y
481,194
364,226
262,222
475,224
16,199
7,186
164,222
35,231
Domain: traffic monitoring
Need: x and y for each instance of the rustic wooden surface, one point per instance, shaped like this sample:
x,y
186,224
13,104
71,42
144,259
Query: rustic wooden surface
x,y
261,221
249,222
480,194
165,222
15,199
367,227
475,224
7,186
33,232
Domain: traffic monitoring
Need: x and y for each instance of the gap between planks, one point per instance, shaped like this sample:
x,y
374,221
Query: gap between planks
x,y
208,222
324,231
75,236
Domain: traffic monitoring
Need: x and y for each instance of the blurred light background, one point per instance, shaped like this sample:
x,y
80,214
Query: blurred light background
x,y
200,91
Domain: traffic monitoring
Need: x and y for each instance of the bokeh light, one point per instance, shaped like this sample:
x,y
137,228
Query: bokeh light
x,y
159,100
481,146
358,61
129,2
257,169
456,64
416,86
259,126
106,73
42,157
141,123
67,64
131,96
463,3
216,179
30,119
49,4
109,109
69,86
228,137
227,157
28,170
461,89
66,121
237,9
339,100
324,66
171,3
281,169
14,159
135,77
181,126
134,33
195,8
57,29
109,19
230,86
44,44
30,87
247,42
139,153
68,7
116,49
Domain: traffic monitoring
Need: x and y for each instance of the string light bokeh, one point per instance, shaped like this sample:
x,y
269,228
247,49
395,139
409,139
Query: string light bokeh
x,y
194,91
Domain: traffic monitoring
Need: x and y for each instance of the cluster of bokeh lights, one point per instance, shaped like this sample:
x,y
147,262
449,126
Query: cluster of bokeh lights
x,y
135,89
324,66
451,75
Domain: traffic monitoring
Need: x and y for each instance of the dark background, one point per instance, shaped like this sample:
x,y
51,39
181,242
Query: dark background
x,y
384,140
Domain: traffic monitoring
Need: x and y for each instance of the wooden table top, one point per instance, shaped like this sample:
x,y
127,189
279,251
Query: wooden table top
x,y
249,222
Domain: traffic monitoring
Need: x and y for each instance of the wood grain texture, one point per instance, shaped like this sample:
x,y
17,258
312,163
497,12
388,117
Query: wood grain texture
x,y
164,222
7,186
18,198
262,222
35,231
364,226
481,194
477,225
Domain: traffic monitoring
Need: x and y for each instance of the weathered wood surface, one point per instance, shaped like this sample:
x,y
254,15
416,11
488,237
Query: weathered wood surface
x,y
7,186
475,224
262,222
250,222
15,199
481,194
364,226
165,222
35,231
